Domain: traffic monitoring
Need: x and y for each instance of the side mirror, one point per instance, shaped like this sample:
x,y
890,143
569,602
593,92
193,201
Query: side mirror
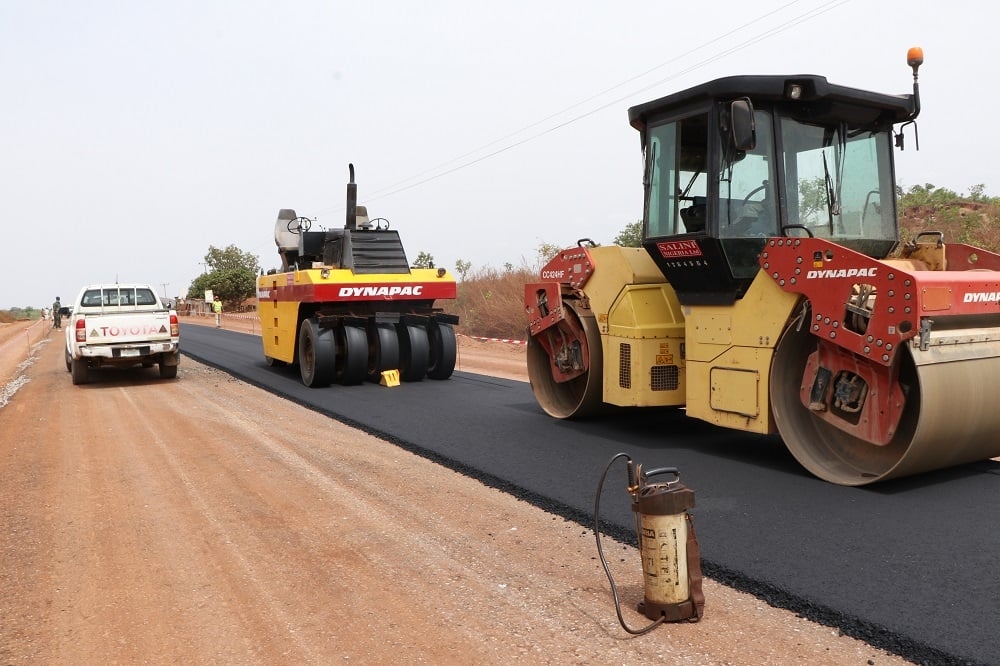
x,y
742,128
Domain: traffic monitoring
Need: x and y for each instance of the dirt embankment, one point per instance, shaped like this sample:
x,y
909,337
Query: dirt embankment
x,y
202,520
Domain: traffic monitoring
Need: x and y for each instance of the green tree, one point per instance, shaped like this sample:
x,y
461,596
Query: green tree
x,y
928,195
231,275
630,236
229,258
812,200
424,260
462,267
546,251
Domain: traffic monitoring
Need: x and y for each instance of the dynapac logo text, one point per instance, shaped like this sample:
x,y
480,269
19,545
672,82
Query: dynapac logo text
x,y
382,292
982,297
842,273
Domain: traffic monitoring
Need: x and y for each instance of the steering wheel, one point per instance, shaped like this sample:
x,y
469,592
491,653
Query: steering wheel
x,y
752,192
299,224
753,216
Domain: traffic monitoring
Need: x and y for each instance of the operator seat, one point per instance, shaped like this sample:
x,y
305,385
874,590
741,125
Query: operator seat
x,y
286,240
694,215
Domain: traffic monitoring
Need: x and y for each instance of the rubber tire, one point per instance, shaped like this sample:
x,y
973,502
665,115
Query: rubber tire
x,y
414,352
383,351
80,371
69,361
444,350
317,354
352,361
167,371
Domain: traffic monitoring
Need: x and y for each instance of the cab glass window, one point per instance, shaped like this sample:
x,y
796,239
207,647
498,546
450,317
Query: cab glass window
x,y
677,182
747,205
839,181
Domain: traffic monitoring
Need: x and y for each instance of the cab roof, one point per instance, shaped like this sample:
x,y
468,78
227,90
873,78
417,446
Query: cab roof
x,y
820,99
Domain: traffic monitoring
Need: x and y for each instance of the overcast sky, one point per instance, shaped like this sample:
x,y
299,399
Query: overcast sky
x,y
136,133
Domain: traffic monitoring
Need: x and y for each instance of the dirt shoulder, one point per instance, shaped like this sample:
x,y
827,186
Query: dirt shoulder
x,y
202,520
17,339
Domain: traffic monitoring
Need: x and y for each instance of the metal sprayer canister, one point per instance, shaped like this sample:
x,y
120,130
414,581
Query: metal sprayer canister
x,y
661,510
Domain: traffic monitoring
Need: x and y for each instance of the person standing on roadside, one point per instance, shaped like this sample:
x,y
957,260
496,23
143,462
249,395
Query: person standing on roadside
x,y
56,315
217,309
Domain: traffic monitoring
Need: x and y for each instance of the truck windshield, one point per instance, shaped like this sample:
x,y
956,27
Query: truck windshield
x,y
838,182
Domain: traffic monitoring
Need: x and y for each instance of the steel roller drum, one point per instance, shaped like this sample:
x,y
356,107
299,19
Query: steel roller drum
x,y
952,413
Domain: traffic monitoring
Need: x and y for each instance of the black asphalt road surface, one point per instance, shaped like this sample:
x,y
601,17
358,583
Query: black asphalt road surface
x,y
911,566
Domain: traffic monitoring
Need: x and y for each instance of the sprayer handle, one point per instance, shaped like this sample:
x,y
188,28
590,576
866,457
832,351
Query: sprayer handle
x,y
663,470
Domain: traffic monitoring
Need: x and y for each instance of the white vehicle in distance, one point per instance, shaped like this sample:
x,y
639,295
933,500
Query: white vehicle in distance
x,y
121,325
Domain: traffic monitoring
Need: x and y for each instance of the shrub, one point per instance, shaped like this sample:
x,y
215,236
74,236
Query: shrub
x,y
490,302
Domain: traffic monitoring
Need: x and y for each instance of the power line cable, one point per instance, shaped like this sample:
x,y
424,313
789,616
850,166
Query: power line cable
x,y
584,101
398,187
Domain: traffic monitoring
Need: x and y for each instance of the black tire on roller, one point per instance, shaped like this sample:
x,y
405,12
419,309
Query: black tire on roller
x,y
443,349
580,397
414,352
317,354
383,351
352,361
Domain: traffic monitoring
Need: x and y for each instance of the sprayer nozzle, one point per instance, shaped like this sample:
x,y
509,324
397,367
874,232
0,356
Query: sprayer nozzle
x,y
633,481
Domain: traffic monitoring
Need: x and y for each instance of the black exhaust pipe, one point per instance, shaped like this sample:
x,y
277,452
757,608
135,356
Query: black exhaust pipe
x,y
352,202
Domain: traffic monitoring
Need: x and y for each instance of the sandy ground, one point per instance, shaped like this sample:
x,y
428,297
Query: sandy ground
x,y
202,520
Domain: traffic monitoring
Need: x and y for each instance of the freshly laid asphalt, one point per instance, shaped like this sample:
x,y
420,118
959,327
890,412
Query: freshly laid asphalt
x,y
911,566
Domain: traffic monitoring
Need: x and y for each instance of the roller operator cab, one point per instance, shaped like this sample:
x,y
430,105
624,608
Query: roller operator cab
x,y
346,306
771,295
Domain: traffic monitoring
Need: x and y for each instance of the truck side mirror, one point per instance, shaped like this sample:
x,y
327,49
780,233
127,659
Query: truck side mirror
x,y
741,125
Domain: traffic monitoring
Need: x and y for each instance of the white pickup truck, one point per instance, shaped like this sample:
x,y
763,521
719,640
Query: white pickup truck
x,y
121,325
